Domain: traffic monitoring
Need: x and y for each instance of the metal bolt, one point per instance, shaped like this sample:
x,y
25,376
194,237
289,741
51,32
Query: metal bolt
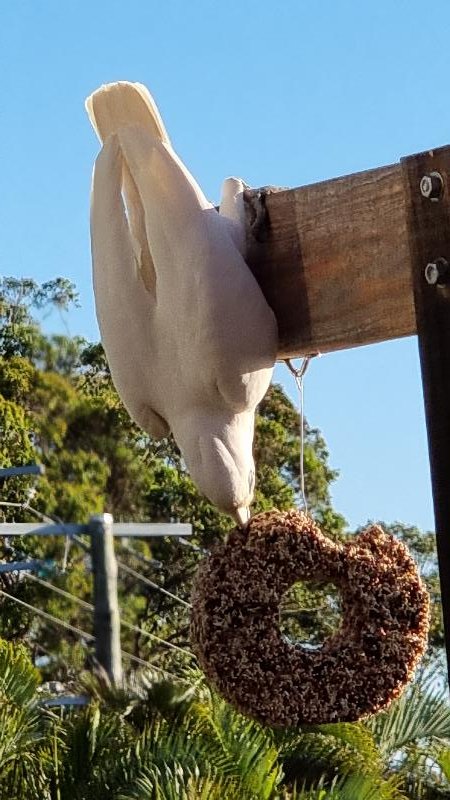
x,y
431,186
437,272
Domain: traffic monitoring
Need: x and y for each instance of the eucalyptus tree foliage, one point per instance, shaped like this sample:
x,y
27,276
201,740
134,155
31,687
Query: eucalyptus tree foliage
x,y
20,298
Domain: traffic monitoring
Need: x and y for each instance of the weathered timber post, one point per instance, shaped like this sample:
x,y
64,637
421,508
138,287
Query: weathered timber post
x,y
427,179
106,613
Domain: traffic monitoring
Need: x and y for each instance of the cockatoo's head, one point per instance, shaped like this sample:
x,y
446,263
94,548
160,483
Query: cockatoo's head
x,y
218,454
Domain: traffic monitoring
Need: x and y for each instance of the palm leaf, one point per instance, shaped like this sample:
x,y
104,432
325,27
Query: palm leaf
x,y
353,787
91,760
329,750
176,783
443,760
18,678
23,731
418,716
237,747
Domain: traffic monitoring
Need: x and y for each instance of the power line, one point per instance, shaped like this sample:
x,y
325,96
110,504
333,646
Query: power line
x,y
192,546
48,616
150,583
125,568
62,592
90,607
150,562
84,634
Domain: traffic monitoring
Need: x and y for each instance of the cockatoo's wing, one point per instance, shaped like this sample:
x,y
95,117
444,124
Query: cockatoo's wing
x,y
201,273
171,197
123,304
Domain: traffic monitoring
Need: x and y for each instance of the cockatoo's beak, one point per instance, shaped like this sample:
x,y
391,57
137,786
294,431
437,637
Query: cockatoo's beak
x,y
242,515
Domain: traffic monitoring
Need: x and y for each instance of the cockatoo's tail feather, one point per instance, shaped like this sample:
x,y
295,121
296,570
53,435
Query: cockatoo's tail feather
x,y
116,105
189,337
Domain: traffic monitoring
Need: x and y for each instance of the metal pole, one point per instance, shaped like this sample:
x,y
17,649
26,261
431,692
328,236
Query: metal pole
x,y
13,472
106,613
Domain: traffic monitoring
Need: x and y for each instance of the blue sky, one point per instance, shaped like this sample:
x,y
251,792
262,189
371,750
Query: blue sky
x,y
277,92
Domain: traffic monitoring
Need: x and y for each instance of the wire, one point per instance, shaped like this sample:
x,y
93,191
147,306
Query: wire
x,y
192,546
299,375
150,583
150,562
84,634
124,623
62,592
121,566
48,616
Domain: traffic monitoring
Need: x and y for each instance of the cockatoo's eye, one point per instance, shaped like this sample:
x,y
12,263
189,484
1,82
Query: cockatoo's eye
x,y
251,480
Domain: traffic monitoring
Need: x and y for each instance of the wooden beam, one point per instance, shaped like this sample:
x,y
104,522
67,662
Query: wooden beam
x,y
333,261
429,230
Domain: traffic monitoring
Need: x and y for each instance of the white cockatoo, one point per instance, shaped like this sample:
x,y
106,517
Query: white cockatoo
x,y
190,340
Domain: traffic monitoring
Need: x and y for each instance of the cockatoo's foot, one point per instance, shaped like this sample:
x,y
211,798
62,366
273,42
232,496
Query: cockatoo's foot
x,y
255,199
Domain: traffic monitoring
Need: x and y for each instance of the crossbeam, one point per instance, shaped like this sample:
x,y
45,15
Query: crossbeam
x,y
127,530
25,566
333,260
14,472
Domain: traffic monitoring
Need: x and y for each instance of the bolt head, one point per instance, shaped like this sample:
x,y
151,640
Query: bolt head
x,y
431,186
437,272
425,186
432,273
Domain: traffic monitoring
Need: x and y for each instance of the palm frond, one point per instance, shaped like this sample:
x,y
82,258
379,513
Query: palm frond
x,y
18,677
418,716
91,759
175,783
237,747
142,697
330,750
23,731
443,761
352,787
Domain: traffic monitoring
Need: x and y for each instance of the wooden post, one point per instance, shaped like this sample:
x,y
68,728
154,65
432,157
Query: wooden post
x,y
106,613
429,232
